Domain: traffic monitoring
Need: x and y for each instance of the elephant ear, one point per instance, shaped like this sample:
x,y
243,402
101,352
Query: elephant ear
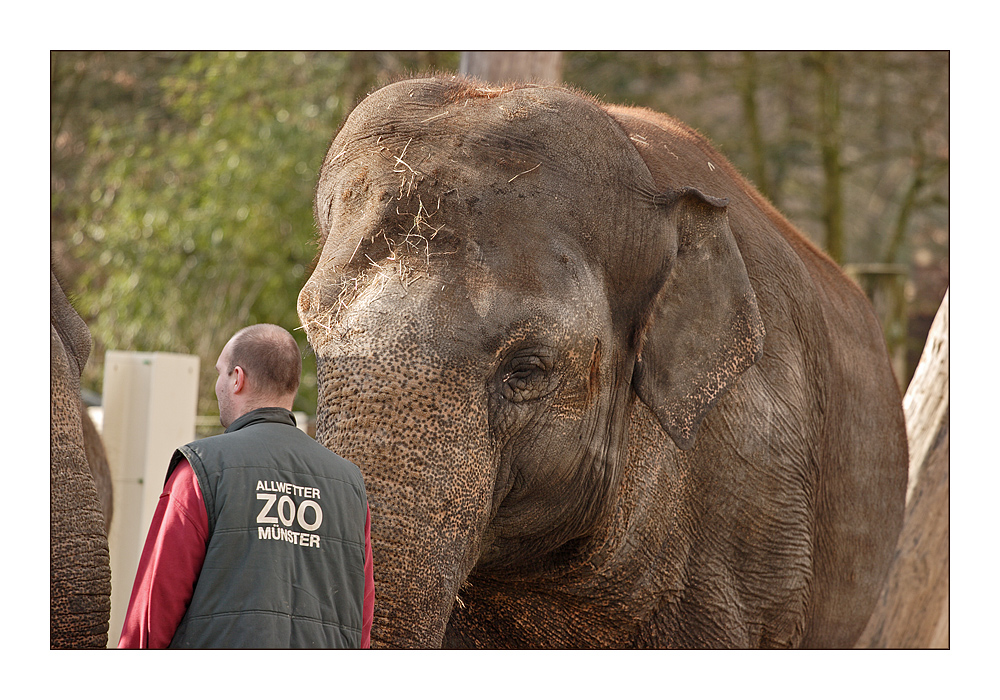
x,y
704,329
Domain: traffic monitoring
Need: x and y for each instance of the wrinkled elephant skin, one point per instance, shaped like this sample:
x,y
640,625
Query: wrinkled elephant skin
x,y
100,469
602,393
79,564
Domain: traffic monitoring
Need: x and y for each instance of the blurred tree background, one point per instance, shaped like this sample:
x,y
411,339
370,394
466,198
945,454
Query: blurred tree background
x,y
182,182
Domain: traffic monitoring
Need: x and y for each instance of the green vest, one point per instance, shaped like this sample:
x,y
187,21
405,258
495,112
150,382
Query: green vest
x,y
285,561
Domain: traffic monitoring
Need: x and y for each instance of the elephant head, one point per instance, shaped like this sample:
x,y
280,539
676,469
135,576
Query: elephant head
x,y
500,282
79,565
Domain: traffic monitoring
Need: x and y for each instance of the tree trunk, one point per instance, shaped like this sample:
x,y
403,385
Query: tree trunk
x,y
748,95
508,66
830,149
912,612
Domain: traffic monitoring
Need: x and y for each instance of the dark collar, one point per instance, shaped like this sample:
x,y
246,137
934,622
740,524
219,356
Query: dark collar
x,y
262,415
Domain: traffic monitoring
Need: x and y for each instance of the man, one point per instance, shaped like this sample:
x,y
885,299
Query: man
x,y
261,537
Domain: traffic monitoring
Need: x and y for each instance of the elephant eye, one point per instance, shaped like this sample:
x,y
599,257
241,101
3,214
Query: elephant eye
x,y
525,375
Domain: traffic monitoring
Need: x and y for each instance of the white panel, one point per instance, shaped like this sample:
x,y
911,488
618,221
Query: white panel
x,y
149,402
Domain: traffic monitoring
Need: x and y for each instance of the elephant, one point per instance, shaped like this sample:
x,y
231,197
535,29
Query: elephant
x,y
79,561
603,394
100,469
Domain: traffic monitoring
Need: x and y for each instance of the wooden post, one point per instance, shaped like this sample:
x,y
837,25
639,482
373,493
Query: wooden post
x,y
505,66
912,612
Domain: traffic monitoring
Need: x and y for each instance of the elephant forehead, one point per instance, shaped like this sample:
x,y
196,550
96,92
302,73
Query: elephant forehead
x,y
423,126
454,211
431,160
449,205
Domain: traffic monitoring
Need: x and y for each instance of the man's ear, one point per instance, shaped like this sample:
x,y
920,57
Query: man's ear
x,y
240,379
704,329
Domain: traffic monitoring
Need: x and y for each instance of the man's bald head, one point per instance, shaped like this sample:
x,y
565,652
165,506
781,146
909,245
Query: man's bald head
x,y
270,358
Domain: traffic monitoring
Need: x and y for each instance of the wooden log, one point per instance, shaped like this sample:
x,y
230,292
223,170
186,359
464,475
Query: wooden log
x,y
912,612
926,399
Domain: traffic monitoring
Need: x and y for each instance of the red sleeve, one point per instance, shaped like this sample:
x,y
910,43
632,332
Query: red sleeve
x,y
368,611
170,563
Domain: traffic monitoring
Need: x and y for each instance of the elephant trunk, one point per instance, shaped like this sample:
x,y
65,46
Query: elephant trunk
x,y
429,498
415,585
79,563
